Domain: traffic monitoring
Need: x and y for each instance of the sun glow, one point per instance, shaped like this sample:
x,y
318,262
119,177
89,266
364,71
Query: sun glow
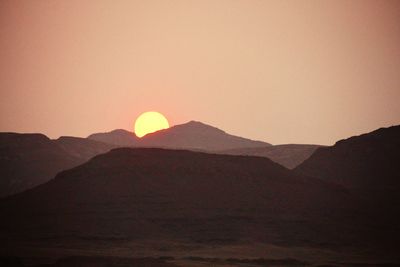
x,y
150,122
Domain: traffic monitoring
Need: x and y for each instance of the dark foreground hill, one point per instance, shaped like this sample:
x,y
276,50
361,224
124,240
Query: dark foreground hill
x,y
338,208
27,160
367,165
142,194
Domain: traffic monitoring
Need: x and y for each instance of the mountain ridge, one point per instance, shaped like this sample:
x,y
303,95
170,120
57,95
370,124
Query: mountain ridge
x,y
191,135
288,155
27,160
343,196
367,166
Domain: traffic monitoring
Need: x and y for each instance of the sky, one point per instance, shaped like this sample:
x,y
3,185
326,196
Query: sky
x,y
277,71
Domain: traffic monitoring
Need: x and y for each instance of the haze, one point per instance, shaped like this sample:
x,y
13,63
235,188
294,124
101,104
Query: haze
x,y
278,71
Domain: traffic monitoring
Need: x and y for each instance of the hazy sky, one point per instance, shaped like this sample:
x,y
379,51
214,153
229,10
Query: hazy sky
x,y
278,71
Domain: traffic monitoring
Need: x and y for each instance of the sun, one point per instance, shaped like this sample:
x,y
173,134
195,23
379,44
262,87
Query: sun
x,y
150,122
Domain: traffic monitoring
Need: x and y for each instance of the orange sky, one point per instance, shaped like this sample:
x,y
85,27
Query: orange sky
x,y
278,71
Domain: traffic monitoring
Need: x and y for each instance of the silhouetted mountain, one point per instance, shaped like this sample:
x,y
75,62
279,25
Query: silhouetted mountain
x,y
29,169
170,194
192,135
83,148
368,166
27,160
290,155
117,137
195,135
198,136
364,164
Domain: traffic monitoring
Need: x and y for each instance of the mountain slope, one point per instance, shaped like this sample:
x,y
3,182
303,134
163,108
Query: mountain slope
x,y
171,194
195,135
192,135
27,160
82,148
360,162
367,165
289,156
117,137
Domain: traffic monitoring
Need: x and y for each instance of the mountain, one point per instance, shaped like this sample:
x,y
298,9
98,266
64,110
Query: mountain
x,y
27,160
157,201
157,194
364,164
195,135
117,137
289,155
82,148
198,136
368,166
37,159
192,135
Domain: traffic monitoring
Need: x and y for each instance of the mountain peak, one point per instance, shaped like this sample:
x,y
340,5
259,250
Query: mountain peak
x,y
121,131
195,126
119,137
193,135
198,123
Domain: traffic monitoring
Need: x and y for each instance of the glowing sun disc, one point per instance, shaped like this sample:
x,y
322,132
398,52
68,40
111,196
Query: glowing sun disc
x,y
150,122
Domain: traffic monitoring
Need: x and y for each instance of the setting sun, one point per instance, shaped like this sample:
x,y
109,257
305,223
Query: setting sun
x,y
150,122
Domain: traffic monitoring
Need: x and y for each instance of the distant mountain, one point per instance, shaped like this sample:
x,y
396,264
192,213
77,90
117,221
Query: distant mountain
x,y
27,160
290,155
192,135
117,137
82,148
367,165
147,194
198,136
